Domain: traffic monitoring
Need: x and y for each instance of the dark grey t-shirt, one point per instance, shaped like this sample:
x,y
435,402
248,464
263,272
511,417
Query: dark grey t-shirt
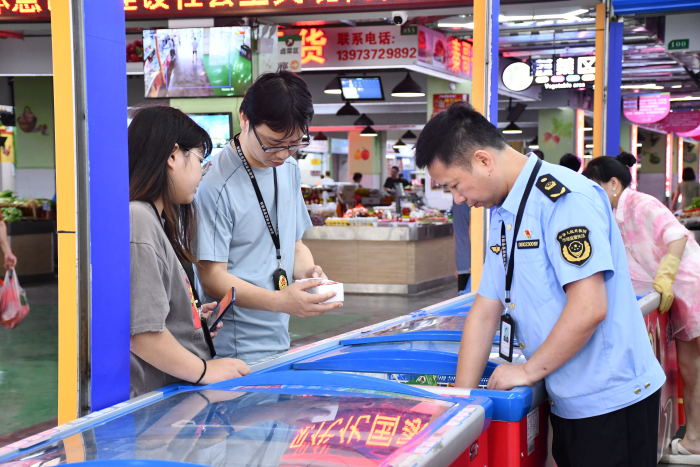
x,y
160,297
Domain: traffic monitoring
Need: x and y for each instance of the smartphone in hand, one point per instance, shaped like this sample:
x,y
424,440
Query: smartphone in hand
x,y
225,304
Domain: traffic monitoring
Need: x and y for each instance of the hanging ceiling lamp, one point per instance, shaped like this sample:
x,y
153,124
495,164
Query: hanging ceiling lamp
x,y
408,88
400,144
320,137
408,136
333,87
512,129
368,131
363,120
347,110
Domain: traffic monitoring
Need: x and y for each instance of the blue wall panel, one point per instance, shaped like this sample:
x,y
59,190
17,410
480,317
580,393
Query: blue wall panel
x,y
493,97
105,69
612,138
630,7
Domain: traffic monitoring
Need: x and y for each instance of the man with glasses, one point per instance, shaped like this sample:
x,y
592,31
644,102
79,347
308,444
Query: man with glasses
x,y
251,220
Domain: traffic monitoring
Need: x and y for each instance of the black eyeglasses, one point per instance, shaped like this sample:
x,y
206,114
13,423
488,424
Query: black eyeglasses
x,y
305,141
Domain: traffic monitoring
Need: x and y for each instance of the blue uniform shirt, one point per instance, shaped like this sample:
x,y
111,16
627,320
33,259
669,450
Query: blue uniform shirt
x,y
566,236
231,229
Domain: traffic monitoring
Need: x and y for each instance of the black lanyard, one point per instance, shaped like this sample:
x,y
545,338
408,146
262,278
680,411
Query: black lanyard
x,y
273,230
189,272
521,210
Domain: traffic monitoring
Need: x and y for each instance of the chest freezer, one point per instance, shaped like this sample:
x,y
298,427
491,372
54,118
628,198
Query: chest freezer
x,y
275,419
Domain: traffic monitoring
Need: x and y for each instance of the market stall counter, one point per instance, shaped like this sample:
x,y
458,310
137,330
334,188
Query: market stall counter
x,y
396,259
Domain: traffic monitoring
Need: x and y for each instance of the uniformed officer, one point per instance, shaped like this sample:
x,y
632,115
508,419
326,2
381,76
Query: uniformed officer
x,y
570,299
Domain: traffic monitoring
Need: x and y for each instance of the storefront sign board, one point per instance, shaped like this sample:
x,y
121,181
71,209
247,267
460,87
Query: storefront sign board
x,y
40,10
383,46
443,101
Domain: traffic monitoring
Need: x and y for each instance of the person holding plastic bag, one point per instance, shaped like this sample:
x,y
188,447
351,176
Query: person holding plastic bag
x,y
13,300
167,333
664,255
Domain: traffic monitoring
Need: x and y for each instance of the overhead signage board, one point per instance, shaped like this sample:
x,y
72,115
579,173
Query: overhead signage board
x,y
383,47
682,32
681,121
646,108
40,10
289,53
564,72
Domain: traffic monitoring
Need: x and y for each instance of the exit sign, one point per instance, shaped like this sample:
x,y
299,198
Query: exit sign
x,y
678,44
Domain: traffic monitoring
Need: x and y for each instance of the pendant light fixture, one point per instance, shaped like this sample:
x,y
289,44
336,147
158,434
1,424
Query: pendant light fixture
x,y
408,88
400,144
320,137
534,144
347,110
409,136
333,87
512,129
363,120
368,131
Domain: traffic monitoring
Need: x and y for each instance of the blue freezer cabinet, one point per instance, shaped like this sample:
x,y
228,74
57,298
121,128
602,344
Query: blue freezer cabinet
x,y
427,358
285,418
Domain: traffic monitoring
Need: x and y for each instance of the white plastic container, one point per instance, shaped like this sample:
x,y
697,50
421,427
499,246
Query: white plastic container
x,y
326,287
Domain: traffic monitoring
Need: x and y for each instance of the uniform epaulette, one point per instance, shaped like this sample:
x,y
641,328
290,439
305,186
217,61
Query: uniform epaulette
x,y
551,187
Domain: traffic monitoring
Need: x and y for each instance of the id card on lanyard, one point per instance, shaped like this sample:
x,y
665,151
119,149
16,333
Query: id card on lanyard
x,y
279,277
505,348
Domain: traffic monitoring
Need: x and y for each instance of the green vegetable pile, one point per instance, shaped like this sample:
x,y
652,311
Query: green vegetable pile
x,y
11,214
694,205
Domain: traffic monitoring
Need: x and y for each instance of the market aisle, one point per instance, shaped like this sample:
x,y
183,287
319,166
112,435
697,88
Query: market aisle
x,y
189,73
362,310
29,365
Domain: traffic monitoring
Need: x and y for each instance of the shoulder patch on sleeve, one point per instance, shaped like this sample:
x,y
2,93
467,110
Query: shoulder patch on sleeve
x,y
575,245
551,187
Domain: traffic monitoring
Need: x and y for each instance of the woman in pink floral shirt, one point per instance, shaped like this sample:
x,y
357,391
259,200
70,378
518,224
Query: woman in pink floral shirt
x,y
661,252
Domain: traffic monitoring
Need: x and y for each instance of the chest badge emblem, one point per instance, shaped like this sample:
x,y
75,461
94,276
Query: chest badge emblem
x,y
528,234
496,249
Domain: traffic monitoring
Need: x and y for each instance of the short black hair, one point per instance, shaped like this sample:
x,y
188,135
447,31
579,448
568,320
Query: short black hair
x,y
570,161
688,174
453,135
395,167
281,101
328,173
602,169
356,177
538,153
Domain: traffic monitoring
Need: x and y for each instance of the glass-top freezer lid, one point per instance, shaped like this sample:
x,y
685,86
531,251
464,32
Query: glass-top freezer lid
x,y
258,426
424,323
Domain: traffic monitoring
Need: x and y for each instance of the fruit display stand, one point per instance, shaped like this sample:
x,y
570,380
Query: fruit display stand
x,y
395,260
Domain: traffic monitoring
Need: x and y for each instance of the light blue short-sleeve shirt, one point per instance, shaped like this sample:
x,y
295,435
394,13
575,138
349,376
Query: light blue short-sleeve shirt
x,y
561,240
231,229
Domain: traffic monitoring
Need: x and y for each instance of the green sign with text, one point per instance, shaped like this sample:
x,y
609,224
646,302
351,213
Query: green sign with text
x,y
678,44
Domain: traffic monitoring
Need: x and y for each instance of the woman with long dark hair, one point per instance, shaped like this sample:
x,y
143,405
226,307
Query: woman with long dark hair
x,y
663,254
167,337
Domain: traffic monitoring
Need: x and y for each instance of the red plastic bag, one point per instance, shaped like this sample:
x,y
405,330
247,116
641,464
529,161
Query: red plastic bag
x,y
13,301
